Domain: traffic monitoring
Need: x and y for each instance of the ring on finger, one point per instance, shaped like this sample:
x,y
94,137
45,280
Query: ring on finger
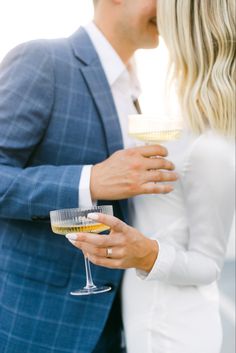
x,y
109,252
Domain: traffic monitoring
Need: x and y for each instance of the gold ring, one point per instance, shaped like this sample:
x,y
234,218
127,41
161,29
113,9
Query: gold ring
x,y
109,252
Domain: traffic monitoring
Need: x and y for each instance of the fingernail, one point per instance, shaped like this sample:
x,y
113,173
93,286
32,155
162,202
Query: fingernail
x,y
72,236
72,241
93,216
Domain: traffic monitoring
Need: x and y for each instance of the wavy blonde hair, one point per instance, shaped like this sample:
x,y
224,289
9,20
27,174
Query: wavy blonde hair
x,y
200,36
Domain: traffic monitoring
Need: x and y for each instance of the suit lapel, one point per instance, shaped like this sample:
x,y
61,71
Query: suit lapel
x,y
101,93
95,78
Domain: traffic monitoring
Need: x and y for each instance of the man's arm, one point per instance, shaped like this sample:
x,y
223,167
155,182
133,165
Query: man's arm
x,y
26,100
27,95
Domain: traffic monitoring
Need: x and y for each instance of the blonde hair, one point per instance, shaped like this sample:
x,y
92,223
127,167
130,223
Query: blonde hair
x,y
200,36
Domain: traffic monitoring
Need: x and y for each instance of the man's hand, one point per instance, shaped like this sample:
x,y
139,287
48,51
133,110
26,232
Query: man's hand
x,y
132,172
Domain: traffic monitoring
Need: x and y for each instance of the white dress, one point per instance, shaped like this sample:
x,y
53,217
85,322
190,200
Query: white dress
x,y
175,308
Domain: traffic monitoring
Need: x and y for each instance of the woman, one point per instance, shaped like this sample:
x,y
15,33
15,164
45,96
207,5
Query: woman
x,y
175,252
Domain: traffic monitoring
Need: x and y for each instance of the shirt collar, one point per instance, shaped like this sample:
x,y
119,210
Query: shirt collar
x,y
111,62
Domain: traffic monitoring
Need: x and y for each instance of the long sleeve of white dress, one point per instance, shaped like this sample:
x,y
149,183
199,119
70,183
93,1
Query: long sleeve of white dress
x,y
208,183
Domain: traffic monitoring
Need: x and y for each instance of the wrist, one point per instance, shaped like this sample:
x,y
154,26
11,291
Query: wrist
x,y
151,256
93,187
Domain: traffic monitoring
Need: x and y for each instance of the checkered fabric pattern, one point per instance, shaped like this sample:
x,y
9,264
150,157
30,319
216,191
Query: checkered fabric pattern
x,y
56,115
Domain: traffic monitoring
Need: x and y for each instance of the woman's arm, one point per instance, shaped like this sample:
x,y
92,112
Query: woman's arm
x,y
208,189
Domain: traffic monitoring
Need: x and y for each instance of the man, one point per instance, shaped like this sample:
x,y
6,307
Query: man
x,y
63,110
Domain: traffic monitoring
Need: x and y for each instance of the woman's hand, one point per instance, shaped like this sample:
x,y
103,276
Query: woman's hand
x,y
123,248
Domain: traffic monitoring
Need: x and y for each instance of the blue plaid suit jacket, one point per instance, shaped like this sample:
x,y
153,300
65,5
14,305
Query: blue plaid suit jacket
x,y
56,115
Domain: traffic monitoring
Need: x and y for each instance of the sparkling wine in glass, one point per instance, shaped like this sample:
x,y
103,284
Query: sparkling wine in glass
x,y
153,129
73,220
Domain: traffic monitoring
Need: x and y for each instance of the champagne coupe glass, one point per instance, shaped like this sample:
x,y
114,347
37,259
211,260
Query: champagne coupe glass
x,y
154,129
73,220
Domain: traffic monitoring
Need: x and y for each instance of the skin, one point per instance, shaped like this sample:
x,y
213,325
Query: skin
x,y
130,25
132,172
130,248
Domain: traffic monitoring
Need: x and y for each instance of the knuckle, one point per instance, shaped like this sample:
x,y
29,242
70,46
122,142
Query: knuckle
x,y
166,176
144,190
147,189
97,252
158,176
122,252
161,162
163,189
117,263
163,176
132,183
169,176
154,188
116,223
136,164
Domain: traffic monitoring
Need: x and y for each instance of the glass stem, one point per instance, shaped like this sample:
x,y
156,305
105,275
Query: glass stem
x,y
89,279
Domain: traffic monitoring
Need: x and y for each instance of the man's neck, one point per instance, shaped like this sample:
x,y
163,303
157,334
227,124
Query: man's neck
x,y
123,49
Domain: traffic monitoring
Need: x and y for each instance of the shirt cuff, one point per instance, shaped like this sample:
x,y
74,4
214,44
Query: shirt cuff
x,y
84,195
163,264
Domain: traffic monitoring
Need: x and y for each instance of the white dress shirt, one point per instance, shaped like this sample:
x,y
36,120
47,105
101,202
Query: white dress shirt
x,y
124,87
178,304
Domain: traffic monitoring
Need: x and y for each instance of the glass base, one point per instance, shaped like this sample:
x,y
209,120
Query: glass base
x,y
90,291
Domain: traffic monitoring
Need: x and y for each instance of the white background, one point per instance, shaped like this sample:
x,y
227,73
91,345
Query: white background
x,y
22,20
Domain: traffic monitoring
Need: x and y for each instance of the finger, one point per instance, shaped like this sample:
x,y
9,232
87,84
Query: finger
x,y
159,163
160,176
106,262
156,188
96,240
115,223
91,250
115,252
153,150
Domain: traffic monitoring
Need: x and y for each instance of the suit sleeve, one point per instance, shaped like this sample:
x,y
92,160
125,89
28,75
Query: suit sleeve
x,y
208,189
26,101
